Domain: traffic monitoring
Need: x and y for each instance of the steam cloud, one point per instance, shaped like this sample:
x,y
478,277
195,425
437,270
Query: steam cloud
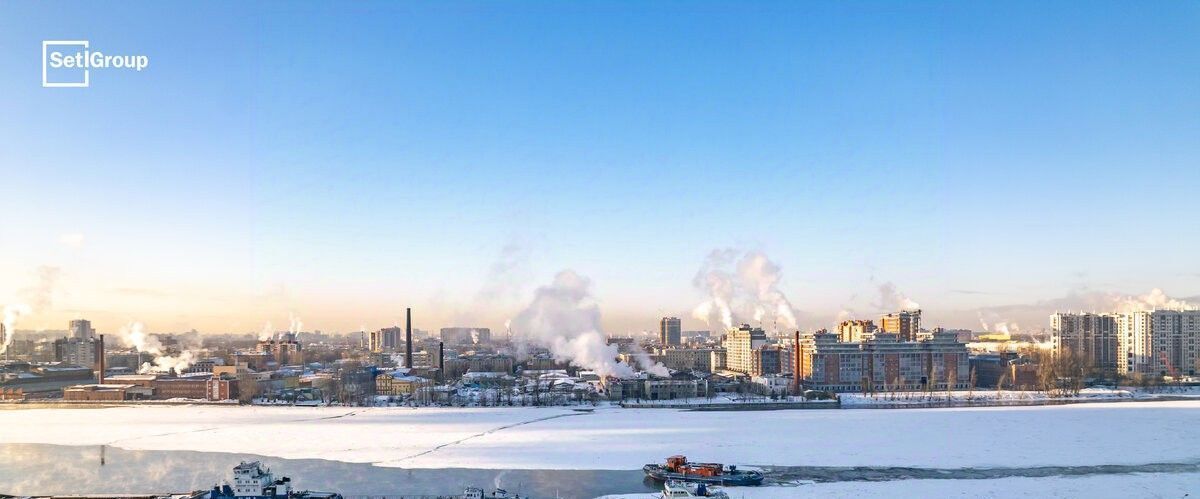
x,y
12,313
134,335
1156,299
295,323
564,319
891,299
268,332
741,287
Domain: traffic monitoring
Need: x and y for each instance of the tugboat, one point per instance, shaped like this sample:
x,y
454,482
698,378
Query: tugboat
x,y
252,480
678,468
673,489
478,493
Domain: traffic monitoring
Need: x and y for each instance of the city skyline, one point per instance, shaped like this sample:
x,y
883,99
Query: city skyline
x,y
989,162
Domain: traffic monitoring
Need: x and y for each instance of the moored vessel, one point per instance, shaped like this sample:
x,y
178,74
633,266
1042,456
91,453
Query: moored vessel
x,y
678,468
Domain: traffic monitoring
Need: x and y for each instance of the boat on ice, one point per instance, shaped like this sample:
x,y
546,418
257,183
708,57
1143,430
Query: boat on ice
x,y
677,468
673,489
251,480
478,493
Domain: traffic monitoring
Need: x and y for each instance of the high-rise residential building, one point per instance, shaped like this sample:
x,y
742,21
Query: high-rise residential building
x,y
82,329
740,345
1094,337
669,331
1159,343
856,330
883,362
906,323
387,339
76,352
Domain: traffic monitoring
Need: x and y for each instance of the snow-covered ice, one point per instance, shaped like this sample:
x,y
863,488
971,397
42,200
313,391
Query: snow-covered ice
x,y
1118,486
614,438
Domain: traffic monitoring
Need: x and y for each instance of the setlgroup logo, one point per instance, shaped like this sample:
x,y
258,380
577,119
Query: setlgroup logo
x,y
69,63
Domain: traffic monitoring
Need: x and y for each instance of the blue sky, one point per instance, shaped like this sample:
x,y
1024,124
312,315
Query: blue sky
x,y
342,161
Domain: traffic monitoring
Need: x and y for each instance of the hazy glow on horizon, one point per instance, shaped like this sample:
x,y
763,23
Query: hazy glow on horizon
x,y
342,162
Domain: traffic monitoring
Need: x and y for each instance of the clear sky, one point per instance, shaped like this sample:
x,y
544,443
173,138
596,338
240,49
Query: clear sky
x,y
340,161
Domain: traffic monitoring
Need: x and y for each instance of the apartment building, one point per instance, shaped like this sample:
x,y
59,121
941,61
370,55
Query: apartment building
x,y
1158,343
883,361
1092,336
740,345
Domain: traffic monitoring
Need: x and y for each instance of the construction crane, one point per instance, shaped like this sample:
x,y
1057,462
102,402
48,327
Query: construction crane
x,y
1170,368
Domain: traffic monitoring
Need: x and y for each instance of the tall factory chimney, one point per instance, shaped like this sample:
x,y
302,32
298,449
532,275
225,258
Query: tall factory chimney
x,y
441,361
100,361
796,363
408,338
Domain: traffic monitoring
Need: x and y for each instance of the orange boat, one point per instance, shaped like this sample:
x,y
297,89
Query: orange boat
x,y
678,468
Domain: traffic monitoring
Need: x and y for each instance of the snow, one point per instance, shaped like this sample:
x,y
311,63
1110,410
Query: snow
x,y
978,396
1118,486
614,438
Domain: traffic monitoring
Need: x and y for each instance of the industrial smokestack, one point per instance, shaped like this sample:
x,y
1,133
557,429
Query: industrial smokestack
x,y
408,338
796,363
100,361
441,361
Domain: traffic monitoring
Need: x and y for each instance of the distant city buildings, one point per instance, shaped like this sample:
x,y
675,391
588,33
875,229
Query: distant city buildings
x,y
81,329
670,331
284,349
466,335
388,339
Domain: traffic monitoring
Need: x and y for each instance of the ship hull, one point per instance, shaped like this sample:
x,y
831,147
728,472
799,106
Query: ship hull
x,y
735,478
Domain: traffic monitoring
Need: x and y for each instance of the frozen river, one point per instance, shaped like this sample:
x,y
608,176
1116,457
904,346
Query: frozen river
x,y
549,451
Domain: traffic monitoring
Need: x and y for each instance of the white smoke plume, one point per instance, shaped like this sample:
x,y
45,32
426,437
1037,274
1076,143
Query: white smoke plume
x,y
166,363
564,319
267,332
134,335
1156,299
998,325
41,295
295,323
891,299
12,313
741,287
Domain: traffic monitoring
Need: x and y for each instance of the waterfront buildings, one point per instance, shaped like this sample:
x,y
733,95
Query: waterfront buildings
x,y
1159,343
1094,337
683,359
884,361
